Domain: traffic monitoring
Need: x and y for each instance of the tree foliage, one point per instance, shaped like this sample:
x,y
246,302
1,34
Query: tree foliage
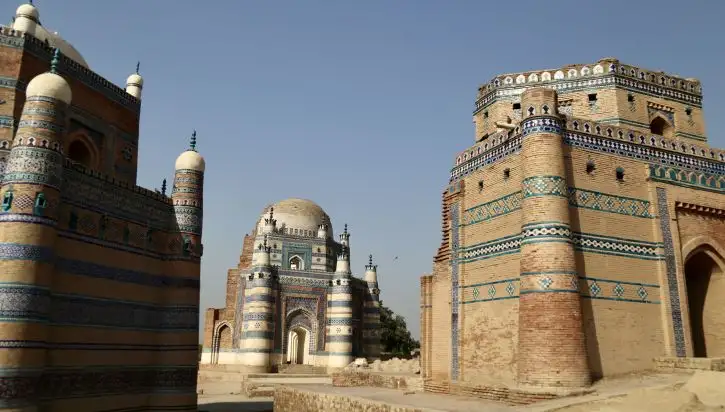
x,y
396,337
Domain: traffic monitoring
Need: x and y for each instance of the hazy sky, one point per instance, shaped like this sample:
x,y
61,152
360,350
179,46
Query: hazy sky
x,y
357,105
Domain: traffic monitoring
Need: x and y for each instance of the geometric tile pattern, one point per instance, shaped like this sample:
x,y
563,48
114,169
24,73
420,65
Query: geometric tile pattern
x,y
489,291
617,246
671,268
585,242
541,125
545,232
492,209
588,287
544,186
586,199
589,199
688,178
624,291
455,243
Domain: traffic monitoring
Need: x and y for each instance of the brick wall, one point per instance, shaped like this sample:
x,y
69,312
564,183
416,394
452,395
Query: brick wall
x,y
378,380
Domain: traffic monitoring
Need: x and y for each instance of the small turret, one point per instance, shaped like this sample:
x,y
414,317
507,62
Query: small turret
x,y
345,237
134,83
371,271
270,223
343,262
27,18
187,195
322,231
263,254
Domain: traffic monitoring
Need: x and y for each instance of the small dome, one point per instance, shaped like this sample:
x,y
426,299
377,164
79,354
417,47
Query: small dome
x,y
49,85
300,214
190,160
27,10
135,79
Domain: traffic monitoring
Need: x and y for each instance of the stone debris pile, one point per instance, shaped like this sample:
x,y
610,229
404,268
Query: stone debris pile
x,y
395,365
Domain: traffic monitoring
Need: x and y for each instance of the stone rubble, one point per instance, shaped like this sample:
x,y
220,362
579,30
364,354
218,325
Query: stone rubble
x,y
395,365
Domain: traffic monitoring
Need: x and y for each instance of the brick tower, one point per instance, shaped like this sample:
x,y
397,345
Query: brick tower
x,y
552,349
31,191
371,313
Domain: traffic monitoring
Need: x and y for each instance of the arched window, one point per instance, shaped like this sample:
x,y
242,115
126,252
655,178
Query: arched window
x,y
660,127
78,152
296,263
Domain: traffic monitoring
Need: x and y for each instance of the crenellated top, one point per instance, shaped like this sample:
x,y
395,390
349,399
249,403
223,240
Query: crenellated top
x,y
638,144
656,82
71,68
77,167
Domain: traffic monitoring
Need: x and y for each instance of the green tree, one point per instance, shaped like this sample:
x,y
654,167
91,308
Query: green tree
x,y
396,337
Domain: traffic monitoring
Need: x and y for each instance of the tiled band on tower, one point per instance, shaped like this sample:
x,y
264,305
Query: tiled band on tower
x,y
32,187
339,324
258,315
371,313
552,350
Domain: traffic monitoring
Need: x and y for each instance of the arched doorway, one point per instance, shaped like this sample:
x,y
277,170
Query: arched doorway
x,y
296,263
299,341
79,153
705,282
222,339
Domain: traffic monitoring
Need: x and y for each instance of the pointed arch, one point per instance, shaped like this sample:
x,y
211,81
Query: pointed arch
x,y
707,245
660,126
81,149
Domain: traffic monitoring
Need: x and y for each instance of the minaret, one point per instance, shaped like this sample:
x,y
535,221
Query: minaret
x,y
187,196
31,192
371,313
322,231
345,241
260,296
270,223
134,83
27,18
339,331
552,349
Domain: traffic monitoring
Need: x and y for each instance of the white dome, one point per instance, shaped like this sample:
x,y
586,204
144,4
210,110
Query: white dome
x,y
135,79
49,85
27,10
300,214
190,160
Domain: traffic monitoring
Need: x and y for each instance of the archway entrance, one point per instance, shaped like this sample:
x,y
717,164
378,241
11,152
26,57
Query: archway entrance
x,y
78,152
661,127
299,341
221,340
705,287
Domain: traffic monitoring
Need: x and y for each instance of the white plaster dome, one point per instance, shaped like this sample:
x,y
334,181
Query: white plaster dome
x,y
135,80
190,160
49,85
302,216
27,19
27,10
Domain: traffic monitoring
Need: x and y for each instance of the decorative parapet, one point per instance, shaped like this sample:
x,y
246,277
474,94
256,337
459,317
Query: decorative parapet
x,y
69,67
700,208
608,138
606,71
105,194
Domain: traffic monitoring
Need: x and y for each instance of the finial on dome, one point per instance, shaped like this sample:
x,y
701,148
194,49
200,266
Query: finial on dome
x,y
138,66
370,260
271,212
30,2
192,142
56,59
163,187
345,228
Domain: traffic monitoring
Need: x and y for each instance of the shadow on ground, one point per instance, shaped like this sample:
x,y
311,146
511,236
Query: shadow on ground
x,y
265,406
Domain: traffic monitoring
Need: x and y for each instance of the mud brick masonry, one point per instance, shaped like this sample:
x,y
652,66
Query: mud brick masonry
x,y
99,278
583,234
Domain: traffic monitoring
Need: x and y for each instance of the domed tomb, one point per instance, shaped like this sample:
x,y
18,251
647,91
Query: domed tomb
x,y
299,217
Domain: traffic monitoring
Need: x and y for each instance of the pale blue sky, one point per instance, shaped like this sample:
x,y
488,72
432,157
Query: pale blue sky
x,y
357,105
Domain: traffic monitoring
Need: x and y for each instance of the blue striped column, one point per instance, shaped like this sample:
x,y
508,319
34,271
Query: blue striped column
x,y
258,314
339,320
